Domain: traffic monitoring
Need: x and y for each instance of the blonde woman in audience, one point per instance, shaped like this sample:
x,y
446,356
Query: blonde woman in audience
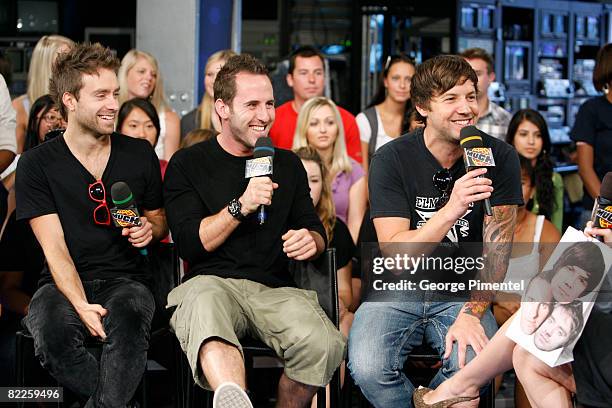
x,y
139,77
319,125
196,136
43,56
204,116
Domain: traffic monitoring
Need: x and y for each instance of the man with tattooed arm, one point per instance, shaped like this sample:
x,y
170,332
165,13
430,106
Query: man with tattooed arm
x,y
420,193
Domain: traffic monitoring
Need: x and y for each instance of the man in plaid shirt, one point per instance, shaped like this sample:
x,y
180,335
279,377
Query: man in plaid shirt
x,y
493,119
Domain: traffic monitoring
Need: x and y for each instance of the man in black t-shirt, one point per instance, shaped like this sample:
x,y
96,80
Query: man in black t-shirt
x,y
93,282
420,193
238,282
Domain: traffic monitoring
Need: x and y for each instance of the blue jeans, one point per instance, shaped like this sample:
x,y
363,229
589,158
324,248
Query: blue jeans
x,y
383,335
59,336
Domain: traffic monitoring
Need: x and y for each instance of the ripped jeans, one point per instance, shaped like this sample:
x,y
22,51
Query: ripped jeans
x,y
383,335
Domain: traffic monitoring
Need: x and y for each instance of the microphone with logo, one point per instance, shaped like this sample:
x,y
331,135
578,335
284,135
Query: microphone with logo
x,y
475,155
125,213
259,166
602,210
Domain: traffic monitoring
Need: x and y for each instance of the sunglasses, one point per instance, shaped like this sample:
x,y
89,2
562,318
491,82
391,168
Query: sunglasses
x,y
443,181
396,57
101,213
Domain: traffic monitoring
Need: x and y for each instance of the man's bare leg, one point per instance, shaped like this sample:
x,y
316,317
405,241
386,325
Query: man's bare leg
x,y
222,362
292,394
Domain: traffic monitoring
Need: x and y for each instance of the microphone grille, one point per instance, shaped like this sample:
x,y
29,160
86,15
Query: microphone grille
x,y
470,137
605,190
263,147
121,194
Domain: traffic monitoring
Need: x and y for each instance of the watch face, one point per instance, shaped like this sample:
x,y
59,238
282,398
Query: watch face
x,y
234,208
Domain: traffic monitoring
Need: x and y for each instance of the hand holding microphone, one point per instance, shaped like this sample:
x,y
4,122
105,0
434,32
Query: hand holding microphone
x,y
125,215
476,156
601,217
469,188
257,194
260,189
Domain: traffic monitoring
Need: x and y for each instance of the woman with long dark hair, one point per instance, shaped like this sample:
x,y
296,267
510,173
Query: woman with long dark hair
x,y
388,114
528,133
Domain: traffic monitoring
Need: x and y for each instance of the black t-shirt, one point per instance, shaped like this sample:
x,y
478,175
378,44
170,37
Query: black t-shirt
x,y
50,180
343,242
593,125
201,180
592,365
401,184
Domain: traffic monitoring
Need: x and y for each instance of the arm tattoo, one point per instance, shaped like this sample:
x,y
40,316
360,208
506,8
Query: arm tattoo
x,y
497,239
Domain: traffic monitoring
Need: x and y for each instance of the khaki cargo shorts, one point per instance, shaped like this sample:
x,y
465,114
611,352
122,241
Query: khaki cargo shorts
x,y
288,320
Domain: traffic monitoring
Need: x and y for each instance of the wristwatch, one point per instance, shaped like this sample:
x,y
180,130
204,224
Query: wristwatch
x,y
235,209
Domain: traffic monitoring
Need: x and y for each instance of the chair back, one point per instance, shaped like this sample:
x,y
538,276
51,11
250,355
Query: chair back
x,y
163,266
320,275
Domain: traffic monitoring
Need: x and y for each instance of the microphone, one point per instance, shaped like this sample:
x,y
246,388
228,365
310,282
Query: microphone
x,y
475,155
125,213
261,165
602,209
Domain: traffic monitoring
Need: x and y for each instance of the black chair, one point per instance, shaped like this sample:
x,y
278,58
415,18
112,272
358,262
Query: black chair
x,y
319,276
164,265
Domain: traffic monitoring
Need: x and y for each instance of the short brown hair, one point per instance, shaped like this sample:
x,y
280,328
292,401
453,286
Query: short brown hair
x,y
306,51
436,76
479,53
69,68
602,74
225,83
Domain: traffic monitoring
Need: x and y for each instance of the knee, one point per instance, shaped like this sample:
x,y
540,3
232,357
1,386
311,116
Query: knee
x,y
327,344
367,363
131,315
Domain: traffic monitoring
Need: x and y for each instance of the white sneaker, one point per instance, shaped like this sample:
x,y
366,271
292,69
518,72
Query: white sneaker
x,y
230,395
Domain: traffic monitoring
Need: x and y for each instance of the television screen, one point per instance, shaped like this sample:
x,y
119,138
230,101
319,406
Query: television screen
x,y
120,40
37,16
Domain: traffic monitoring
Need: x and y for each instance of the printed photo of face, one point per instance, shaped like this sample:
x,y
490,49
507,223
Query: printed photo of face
x,y
569,283
535,305
557,329
577,272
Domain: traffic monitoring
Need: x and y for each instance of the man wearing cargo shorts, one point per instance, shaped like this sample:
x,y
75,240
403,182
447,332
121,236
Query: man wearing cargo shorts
x,y
238,282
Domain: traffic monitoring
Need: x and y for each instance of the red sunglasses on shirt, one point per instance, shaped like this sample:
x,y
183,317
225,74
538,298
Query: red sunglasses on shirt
x,y
97,193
